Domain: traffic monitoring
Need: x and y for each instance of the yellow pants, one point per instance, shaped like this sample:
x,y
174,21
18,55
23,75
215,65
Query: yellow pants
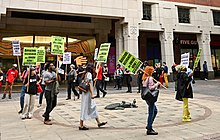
x,y
186,113
165,76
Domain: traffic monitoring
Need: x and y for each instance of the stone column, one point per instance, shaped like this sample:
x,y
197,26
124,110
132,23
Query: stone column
x,y
130,35
119,40
204,43
167,54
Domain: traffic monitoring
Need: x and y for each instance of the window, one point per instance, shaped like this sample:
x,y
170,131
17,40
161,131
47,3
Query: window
x,y
147,11
184,15
216,17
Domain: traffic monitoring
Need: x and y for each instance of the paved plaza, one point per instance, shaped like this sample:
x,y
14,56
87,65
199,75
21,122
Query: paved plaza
x,y
128,124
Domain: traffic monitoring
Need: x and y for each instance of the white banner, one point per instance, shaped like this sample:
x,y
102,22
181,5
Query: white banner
x,y
16,48
67,58
185,59
96,54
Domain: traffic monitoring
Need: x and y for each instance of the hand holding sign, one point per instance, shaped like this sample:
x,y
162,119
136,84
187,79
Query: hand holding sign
x,y
80,60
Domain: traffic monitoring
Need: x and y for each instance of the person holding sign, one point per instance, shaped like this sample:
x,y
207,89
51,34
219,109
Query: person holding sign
x,y
30,93
98,80
184,90
11,75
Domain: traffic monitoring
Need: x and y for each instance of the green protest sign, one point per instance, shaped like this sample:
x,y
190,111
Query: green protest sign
x,y
103,52
130,62
197,59
41,55
29,56
57,45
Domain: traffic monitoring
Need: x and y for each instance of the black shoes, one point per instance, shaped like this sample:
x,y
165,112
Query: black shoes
x,y
83,128
97,96
3,97
68,98
102,124
19,112
151,132
104,94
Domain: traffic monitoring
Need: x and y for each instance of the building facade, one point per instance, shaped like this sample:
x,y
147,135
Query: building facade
x,y
153,30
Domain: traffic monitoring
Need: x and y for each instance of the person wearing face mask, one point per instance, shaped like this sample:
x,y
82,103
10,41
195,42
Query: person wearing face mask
x,y
12,73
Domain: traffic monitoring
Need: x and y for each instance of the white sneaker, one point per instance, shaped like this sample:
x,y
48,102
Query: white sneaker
x,y
206,79
23,117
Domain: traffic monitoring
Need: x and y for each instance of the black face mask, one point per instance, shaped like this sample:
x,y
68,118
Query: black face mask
x,y
13,68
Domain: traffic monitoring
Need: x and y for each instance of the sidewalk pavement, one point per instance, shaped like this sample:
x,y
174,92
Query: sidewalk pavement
x,y
128,124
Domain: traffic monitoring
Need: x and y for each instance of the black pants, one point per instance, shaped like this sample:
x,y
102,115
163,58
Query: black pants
x,y
71,86
119,82
104,84
205,75
41,94
51,101
128,81
98,87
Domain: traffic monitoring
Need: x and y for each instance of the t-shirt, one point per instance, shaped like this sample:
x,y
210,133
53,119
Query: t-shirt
x,y
32,85
11,75
99,76
47,77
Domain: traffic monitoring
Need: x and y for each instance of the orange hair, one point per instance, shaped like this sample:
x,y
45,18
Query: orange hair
x,y
148,71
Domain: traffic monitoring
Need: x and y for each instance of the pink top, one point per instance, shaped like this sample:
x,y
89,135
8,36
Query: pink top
x,y
150,82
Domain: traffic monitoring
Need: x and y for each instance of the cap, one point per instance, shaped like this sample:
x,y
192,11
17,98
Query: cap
x,y
15,65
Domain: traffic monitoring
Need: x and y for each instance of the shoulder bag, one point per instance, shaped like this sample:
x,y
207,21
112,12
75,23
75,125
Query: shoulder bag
x,y
148,95
84,86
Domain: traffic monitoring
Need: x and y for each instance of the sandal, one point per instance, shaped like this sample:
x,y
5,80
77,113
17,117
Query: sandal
x,y
83,128
101,124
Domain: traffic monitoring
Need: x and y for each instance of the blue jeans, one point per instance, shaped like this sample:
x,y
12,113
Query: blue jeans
x,y
152,113
23,89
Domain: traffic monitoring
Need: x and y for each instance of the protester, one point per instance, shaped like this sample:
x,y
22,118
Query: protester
x,y
184,90
152,109
51,98
88,106
1,80
115,79
42,84
31,90
12,73
23,88
128,80
72,77
140,74
174,74
105,76
205,70
98,80
158,73
165,73
119,76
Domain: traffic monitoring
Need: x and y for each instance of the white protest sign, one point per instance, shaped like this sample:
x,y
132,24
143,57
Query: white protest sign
x,y
67,58
96,53
16,48
185,59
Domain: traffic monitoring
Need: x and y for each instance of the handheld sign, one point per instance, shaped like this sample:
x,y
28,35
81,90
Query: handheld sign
x,y
96,54
67,58
197,59
29,56
41,55
16,48
57,46
130,62
185,59
103,52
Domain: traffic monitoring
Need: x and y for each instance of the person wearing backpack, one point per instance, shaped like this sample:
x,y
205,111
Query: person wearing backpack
x,y
72,77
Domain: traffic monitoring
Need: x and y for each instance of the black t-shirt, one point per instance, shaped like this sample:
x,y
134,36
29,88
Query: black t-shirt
x,y
32,85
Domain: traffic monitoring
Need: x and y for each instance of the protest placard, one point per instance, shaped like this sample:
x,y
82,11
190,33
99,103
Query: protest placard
x,y
41,55
130,62
103,52
185,59
29,56
57,45
16,48
67,58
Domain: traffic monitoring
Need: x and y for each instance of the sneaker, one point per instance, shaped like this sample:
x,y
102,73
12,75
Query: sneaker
x,y
39,105
102,124
206,79
19,112
23,117
186,120
104,94
9,97
151,132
